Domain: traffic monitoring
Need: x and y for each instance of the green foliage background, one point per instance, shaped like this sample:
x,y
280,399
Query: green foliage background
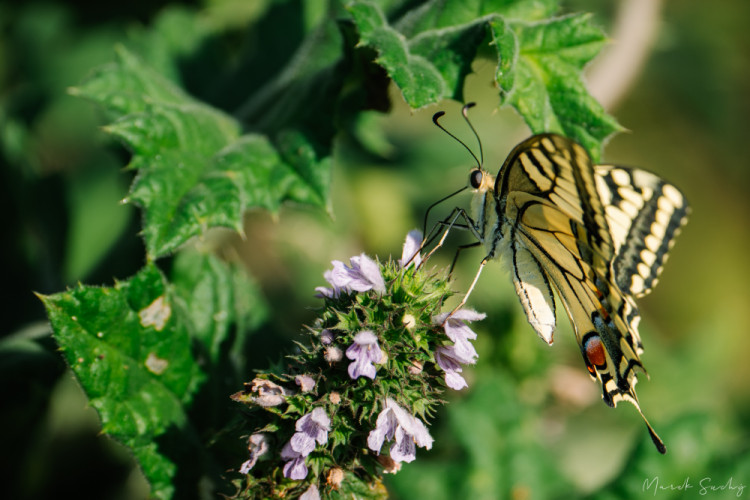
x,y
532,425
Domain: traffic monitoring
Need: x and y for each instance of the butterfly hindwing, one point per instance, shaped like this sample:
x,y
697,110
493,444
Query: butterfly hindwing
x,y
644,214
534,291
580,289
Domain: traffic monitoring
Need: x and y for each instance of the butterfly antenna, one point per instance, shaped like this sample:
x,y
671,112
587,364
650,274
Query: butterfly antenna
x,y
437,117
465,112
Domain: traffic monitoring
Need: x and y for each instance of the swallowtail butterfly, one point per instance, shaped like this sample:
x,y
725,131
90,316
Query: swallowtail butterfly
x,y
598,235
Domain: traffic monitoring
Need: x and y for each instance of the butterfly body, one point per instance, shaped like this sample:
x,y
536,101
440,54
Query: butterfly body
x,y
596,235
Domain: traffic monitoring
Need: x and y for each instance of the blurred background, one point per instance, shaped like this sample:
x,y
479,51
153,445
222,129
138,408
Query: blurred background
x,y
532,424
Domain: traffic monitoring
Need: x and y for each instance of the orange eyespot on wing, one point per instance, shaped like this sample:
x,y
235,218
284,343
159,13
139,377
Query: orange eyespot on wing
x,y
594,351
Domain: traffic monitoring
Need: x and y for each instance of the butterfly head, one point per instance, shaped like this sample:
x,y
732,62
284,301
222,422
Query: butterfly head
x,y
480,180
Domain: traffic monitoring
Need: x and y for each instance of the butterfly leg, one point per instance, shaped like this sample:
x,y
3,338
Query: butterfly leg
x,y
458,252
449,223
471,288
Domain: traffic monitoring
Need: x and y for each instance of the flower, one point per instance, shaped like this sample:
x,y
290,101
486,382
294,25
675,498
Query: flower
x,y
295,467
410,254
364,351
306,382
334,397
310,493
335,477
363,275
326,337
450,358
450,362
395,423
257,445
333,354
268,393
457,330
312,427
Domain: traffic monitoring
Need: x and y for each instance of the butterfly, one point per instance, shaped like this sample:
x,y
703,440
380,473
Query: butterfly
x,y
597,235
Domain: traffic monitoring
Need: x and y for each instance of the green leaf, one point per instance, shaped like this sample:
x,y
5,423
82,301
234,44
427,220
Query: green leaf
x,y
548,90
217,297
131,352
428,53
195,171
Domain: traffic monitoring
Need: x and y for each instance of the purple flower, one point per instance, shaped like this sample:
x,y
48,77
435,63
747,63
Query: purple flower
x,y
257,445
410,254
306,382
326,337
312,427
448,361
310,493
295,467
396,424
364,351
459,332
450,358
363,275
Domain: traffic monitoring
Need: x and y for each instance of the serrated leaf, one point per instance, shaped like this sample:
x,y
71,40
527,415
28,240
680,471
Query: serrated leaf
x,y
195,171
548,90
217,296
428,54
131,353
428,51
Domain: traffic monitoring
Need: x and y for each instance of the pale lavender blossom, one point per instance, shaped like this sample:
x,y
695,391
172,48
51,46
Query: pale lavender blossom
x,y
295,467
310,493
257,445
305,382
448,361
312,427
396,424
364,351
363,275
457,330
410,253
326,337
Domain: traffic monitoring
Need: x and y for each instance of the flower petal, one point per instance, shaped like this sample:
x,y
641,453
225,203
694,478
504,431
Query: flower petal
x,y
295,469
305,382
404,450
375,439
321,418
410,253
468,315
310,493
302,443
326,337
365,337
370,270
247,465
362,367
455,380
288,453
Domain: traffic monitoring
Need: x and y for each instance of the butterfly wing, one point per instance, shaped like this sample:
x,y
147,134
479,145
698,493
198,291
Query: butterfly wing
x,y
644,214
557,207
